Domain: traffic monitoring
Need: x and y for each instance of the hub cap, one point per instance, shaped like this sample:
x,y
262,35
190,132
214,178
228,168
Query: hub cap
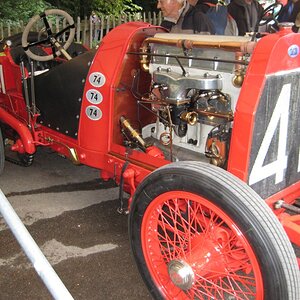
x,y
181,274
194,250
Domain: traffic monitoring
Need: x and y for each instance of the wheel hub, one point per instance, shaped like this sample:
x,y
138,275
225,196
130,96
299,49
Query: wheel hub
x,y
181,274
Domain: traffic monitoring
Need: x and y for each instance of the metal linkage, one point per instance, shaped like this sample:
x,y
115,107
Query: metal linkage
x,y
281,204
26,91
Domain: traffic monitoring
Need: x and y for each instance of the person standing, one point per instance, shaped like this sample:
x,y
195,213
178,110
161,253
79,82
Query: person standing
x,y
180,17
217,12
96,26
290,13
246,13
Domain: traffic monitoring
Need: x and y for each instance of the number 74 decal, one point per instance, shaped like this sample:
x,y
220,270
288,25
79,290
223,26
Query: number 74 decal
x,y
280,117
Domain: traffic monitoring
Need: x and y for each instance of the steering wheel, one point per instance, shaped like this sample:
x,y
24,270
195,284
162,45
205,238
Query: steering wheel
x,y
270,13
49,37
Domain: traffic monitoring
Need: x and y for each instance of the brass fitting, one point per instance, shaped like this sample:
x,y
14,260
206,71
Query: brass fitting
x,y
125,123
190,117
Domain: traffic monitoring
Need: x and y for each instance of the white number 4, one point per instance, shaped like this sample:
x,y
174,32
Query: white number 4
x,y
279,118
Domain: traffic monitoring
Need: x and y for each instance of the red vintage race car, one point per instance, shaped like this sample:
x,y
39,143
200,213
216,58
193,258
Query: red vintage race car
x,y
201,131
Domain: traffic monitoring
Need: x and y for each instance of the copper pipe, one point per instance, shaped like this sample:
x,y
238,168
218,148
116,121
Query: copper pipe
x,y
228,117
189,44
244,47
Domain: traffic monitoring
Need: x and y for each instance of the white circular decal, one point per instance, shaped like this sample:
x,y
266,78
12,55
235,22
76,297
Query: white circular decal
x,y
293,51
93,112
94,96
97,79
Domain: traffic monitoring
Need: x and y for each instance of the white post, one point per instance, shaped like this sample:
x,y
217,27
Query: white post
x,y
64,26
92,31
33,252
107,25
84,34
8,30
78,30
2,31
101,27
154,22
57,25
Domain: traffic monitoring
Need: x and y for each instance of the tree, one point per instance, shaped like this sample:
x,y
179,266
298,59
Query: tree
x,y
21,10
147,5
114,7
74,7
85,7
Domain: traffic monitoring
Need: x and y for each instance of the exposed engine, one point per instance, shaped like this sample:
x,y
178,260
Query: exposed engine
x,y
193,94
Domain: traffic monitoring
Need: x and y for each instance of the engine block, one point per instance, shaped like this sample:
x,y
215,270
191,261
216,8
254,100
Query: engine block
x,y
194,92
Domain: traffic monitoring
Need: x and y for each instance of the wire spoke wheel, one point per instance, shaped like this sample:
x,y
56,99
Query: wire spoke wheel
x,y
199,249
197,232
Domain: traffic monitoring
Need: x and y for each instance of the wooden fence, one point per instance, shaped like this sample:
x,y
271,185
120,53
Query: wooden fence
x,y
90,30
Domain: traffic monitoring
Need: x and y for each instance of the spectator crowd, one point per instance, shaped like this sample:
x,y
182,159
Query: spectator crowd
x,y
237,17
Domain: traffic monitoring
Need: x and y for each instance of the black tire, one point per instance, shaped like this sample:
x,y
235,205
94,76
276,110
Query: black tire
x,y
2,155
274,259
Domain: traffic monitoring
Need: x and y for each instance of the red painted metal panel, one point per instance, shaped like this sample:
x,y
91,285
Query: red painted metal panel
x,y
270,57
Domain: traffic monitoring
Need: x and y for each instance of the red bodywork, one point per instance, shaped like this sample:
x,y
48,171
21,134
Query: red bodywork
x,y
99,143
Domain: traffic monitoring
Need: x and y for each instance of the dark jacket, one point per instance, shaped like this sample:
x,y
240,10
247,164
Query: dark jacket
x,y
237,9
286,16
202,4
223,22
193,21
